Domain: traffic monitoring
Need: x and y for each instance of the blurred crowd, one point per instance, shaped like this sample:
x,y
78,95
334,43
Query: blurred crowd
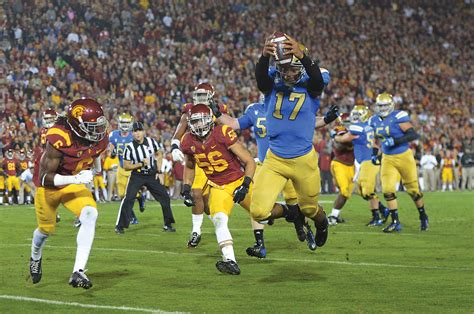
x,y
145,57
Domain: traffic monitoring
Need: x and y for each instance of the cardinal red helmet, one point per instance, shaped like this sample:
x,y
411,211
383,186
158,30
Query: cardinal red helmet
x,y
200,120
203,93
49,117
86,118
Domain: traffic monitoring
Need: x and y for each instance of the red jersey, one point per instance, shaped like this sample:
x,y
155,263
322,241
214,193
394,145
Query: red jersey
x,y
76,156
343,152
24,164
213,155
11,167
43,132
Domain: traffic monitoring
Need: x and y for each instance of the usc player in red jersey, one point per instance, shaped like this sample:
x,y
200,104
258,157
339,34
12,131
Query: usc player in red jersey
x,y
11,166
217,150
73,147
202,94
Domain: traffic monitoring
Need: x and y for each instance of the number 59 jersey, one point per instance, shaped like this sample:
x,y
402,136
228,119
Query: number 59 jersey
x,y
363,145
213,155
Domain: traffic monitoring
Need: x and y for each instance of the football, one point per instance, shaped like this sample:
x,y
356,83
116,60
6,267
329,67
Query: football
x,y
280,57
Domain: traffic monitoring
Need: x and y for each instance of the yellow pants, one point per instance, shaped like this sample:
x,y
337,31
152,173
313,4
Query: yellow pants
x,y
221,198
400,165
200,180
13,182
344,176
122,180
447,175
289,192
99,182
303,171
74,197
367,179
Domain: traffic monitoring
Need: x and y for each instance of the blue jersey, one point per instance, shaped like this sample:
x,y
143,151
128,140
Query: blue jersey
x,y
291,116
254,116
363,145
120,142
389,127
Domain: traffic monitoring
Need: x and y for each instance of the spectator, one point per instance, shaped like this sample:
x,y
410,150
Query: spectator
x,y
428,165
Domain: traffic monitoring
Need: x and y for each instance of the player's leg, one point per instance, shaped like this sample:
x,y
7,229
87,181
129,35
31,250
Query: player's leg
x,y
10,189
46,203
78,199
220,206
408,172
367,180
160,193
268,183
124,215
197,211
103,189
344,176
306,179
389,177
294,213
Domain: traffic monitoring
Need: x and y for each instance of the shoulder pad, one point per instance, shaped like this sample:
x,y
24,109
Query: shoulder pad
x,y
356,128
223,108
59,137
186,107
400,115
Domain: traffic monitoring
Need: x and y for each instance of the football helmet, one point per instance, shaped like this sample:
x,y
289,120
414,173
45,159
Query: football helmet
x,y
291,70
359,114
10,153
86,118
49,117
125,121
203,93
200,120
384,104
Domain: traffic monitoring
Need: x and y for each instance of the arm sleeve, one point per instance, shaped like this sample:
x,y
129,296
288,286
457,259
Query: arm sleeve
x,y
409,136
264,82
245,121
315,83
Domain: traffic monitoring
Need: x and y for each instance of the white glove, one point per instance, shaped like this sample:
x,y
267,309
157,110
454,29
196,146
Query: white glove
x,y
177,155
84,177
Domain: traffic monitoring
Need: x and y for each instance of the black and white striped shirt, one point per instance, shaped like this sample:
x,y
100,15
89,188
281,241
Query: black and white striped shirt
x,y
137,153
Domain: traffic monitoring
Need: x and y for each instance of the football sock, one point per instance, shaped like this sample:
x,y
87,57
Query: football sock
x,y
96,194
104,193
421,210
85,236
375,213
335,212
394,215
224,238
197,223
258,233
39,239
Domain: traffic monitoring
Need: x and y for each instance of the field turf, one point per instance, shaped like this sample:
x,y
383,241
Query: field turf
x,y
359,270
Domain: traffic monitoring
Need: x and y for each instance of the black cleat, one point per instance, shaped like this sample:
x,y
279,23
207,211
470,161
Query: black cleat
x,y
77,223
424,222
119,230
79,279
258,251
322,233
58,218
310,238
194,241
35,270
298,219
228,267
168,228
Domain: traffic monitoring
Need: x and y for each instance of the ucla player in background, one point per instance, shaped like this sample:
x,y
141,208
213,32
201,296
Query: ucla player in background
x,y
361,135
119,140
394,130
292,90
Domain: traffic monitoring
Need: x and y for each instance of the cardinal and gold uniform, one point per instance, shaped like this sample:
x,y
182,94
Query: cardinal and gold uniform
x,y
447,173
11,167
76,157
220,165
342,166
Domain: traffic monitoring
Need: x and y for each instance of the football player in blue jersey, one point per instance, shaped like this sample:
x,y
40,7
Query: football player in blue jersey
x,y
118,141
254,117
292,90
361,135
394,130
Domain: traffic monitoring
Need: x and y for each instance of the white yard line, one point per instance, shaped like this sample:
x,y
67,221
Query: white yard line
x,y
300,260
76,304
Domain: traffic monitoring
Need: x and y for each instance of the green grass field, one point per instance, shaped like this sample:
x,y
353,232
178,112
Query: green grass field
x,y
359,270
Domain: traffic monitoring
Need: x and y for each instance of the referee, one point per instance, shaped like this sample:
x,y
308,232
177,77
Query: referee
x,y
139,156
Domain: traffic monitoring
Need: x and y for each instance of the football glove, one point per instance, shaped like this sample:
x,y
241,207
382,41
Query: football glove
x,y
176,152
113,153
215,108
186,194
331,114
376,159
241,191
389,142
84,177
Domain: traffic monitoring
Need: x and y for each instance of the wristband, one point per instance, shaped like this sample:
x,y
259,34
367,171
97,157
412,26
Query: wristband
x,y
247,181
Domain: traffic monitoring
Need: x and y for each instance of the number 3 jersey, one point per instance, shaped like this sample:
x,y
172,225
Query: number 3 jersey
x,y
213,155
76,156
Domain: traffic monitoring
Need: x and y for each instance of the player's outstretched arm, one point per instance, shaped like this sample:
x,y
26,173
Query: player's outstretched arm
x,y
264,82
176,152
188,178
228,120
245,158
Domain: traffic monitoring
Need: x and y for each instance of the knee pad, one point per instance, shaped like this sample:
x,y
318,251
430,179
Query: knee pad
x,y
309,211
415,196
223,235
260,216
47,230
88,215
389,196
369,197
